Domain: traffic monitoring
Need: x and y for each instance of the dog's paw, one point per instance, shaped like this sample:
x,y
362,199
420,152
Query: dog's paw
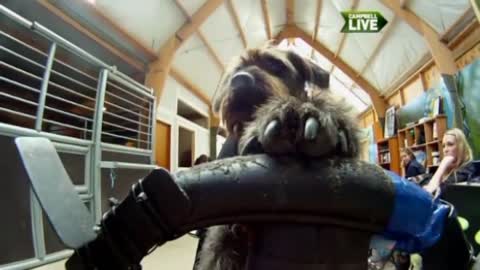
x,y
320,132
275,129
289,126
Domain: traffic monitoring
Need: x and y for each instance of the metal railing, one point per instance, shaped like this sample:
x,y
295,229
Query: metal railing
x,y
50,87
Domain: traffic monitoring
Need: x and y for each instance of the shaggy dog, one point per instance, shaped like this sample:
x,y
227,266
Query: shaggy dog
x,y
277,102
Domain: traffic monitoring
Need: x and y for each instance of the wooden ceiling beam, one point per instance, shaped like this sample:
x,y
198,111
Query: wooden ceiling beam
x,y
476,8
378,102
198,18
266,19
441,54
122,31
286,32
344,36
185,82
211,51
386,34
233,12
458,26
290,10
138,65
160,68
318,11
200,34
183,9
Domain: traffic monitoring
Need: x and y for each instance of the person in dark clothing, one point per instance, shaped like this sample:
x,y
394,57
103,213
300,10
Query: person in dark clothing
x,y
457,164
410,164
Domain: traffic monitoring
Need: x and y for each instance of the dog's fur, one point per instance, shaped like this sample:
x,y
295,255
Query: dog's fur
x,y
274,91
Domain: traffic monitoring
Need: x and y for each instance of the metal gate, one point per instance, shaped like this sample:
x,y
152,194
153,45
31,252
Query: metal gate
x,y
99,119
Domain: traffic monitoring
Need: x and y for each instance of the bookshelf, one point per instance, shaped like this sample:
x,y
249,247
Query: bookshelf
x,y
388,154
425,136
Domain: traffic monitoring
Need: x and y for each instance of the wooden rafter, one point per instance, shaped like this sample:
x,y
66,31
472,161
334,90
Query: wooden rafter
x,y
285,33
290,12
350,89
138,65
441,54
318,11
461,23
386,34
122,31
266,19
233,12
378,102
463,42
409,75
198,18
183,9
421,76
200,34
185,82
160,68
344,37
476,8
466,39
211,51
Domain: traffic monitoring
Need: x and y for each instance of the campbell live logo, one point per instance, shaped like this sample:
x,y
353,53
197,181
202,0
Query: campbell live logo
x,y
363,21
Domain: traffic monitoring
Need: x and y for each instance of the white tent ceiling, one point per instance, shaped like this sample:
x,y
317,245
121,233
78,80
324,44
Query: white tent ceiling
x,y
379,59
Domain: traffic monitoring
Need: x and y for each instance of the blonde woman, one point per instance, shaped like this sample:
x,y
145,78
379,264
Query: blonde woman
x,y
454,167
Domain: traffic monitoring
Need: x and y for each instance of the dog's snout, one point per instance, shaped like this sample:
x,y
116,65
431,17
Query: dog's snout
x,y
242,79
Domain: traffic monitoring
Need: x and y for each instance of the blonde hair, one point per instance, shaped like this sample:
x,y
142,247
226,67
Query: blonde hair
x,y
464,151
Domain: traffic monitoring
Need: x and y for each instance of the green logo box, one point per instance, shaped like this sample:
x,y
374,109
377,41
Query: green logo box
x,y
363,21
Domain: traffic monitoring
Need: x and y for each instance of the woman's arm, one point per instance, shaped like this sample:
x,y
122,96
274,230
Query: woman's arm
x,y
437,178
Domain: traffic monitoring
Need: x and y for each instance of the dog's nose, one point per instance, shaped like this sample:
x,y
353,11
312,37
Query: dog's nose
x,y
242,79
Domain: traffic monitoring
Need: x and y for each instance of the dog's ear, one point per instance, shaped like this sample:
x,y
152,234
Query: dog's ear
x,y
311,72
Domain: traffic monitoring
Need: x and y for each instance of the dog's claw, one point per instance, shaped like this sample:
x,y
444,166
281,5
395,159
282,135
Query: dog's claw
x,y
272,129
311,128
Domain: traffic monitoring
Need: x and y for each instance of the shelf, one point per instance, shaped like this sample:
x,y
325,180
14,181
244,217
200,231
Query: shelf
x,y
433,142
421,124
419,138
406,129
385,140
387,153
417,146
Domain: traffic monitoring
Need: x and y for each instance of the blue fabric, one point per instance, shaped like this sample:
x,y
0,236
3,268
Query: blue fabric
x,y
417,220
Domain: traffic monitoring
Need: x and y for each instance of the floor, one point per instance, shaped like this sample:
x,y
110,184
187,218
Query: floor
x,y
178,255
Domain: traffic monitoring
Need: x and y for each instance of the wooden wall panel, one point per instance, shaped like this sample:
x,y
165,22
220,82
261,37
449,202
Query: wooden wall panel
x,y
395,100
432,76
413,90
468,57
369,119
